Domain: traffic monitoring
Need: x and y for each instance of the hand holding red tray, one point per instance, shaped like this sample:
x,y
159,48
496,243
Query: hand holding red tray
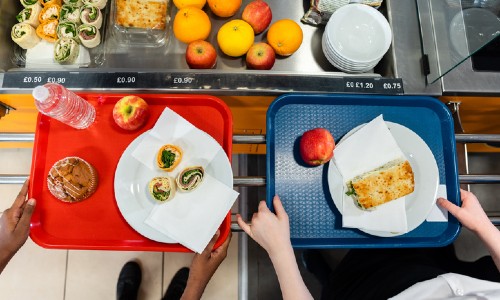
x,y
97,223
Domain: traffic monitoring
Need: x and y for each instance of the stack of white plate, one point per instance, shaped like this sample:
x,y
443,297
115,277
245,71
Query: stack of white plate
x,y
356,38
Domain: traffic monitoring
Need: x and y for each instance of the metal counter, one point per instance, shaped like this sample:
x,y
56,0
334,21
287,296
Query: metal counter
x,y
163,68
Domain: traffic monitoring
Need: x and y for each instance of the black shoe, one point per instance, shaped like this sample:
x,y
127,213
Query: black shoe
x,y
129,281
177,285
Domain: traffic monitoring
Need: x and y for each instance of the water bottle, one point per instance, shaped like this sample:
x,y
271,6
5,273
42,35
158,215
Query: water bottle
x,y
56,101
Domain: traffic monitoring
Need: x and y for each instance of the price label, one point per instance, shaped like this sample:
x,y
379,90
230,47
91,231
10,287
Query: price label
x,y
373,85
392,86
359,85
60,80
183,80
125,80
120,80
32,79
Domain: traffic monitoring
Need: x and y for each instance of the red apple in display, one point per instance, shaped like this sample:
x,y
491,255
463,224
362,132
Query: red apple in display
x,y
130,112
316,146
258,14
260,57
201,55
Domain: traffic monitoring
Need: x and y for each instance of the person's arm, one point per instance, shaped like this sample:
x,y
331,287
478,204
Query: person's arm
x,y
472,216
203,268
272,232
15,226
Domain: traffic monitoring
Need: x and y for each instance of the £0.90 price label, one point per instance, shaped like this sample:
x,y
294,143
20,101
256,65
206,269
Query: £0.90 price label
x,y
120,80
125,80
60,80
183,80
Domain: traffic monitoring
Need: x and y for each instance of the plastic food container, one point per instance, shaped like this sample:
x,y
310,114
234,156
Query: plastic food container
x,y
141,23
86,55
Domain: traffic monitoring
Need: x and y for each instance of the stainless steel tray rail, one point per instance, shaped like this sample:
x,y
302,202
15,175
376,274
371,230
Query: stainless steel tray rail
x,y
260,181
261,139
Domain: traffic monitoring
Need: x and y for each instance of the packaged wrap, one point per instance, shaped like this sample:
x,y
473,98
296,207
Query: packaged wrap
x,y
24,35
91,15
67,30
70,13
89,35
30,14
66,51
321,10
48,30
49,12
28,3
97,3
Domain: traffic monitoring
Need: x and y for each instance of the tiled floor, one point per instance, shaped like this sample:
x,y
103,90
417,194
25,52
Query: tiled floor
x,y
38,273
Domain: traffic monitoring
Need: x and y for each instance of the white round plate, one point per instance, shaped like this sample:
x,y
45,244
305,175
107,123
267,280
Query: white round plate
x,y
419,203
131,188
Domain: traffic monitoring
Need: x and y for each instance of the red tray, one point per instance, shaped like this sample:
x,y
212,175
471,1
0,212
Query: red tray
x,y
96,223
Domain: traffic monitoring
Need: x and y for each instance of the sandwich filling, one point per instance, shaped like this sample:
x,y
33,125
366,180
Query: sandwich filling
x,y
168,157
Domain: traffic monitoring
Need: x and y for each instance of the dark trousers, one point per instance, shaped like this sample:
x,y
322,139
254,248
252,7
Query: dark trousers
x,y
384,273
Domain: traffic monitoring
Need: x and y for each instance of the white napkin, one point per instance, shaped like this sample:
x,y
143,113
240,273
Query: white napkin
x,y
368,148
190,218
439,214
198,147
193,218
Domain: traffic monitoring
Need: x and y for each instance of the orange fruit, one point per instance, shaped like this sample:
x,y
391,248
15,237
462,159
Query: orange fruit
x,y
285,36
235,37
185,3
224,8
191,24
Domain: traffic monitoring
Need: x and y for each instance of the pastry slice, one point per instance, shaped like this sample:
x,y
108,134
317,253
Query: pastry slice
x,y
389,182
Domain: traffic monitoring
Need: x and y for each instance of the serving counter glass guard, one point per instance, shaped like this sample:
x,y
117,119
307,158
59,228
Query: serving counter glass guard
x,y
453,30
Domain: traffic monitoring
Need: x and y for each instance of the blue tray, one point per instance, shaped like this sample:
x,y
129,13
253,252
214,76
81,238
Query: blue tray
x,y
315,222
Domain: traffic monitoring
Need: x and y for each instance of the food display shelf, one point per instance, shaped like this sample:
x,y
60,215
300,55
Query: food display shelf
x,y
124,68
96,223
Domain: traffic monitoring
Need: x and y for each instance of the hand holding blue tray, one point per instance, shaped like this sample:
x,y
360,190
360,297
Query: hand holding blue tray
x,y
315,222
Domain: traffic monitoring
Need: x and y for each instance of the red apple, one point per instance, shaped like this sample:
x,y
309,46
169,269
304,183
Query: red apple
x,y
316,146
201,55
260,56
258,14
130,112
